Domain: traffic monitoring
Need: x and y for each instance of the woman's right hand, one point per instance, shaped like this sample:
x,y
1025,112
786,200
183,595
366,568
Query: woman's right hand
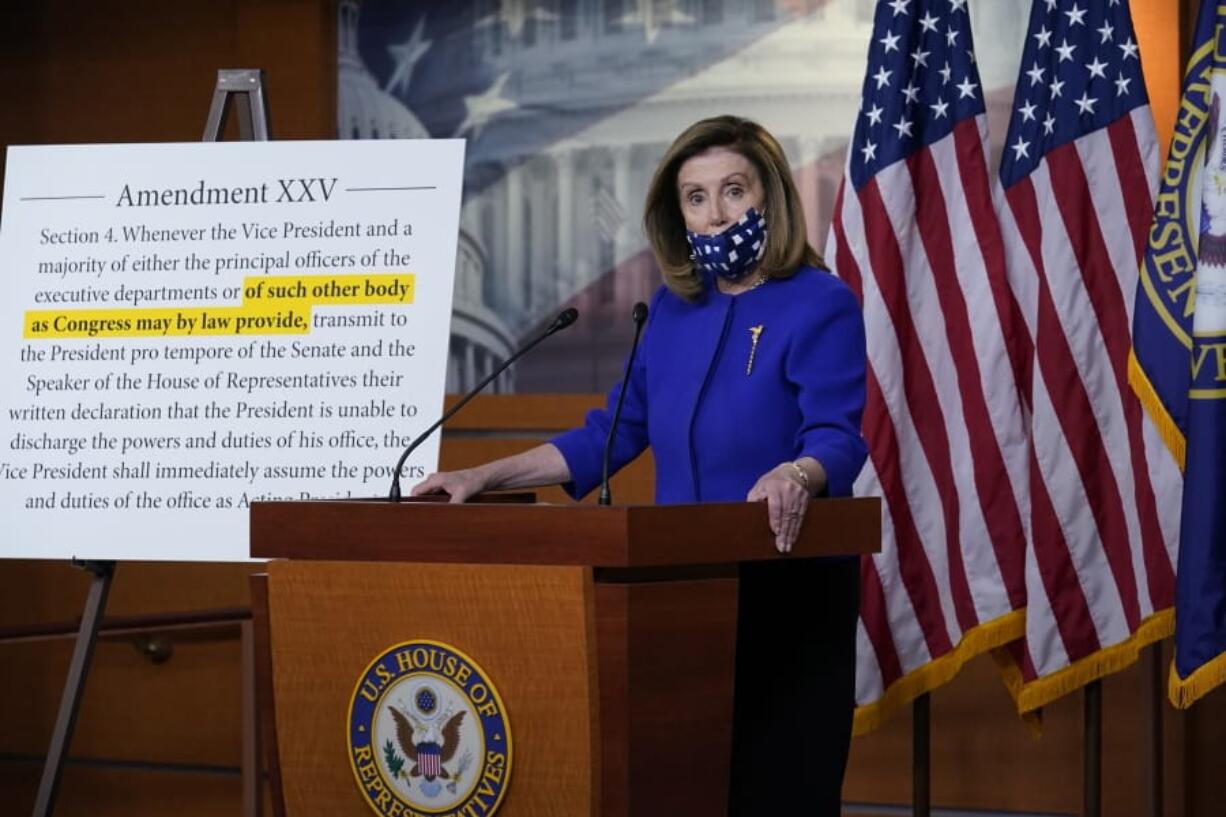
x,y
459,485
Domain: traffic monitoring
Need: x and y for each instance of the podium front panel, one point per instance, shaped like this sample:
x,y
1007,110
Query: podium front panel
x,y
531,630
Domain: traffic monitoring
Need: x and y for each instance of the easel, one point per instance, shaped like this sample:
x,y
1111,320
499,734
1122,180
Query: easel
x,y
252,125
252,118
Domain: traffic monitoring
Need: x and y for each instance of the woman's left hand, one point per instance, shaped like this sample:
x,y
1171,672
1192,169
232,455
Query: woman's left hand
x,y
786,502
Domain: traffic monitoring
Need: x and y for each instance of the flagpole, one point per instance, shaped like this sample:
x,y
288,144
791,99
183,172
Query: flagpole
x,y
1092,751
1155,691
921,756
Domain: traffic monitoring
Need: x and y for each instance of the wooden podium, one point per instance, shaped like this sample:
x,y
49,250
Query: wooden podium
x,y
610,633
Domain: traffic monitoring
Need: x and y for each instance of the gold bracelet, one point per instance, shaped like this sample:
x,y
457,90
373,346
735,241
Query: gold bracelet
x,y
804,476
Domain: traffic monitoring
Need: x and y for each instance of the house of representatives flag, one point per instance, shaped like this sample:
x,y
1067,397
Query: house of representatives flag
x,y
1077,177
1178,366
915,235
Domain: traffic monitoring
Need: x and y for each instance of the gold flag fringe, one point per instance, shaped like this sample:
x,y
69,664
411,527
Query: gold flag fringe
x,y
1041,691
1167,430
1011,674
939,671
1184,692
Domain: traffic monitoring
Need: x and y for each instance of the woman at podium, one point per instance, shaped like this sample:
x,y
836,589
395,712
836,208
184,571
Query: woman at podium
x,y
749,385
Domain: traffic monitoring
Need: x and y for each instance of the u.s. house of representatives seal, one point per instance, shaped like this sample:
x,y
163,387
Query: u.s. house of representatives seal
x,y
428,734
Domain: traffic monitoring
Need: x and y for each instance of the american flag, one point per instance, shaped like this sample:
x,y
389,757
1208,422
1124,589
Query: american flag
x,y
1077,181
915,234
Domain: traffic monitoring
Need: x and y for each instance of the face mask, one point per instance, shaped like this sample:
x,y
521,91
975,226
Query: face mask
x,y
732,253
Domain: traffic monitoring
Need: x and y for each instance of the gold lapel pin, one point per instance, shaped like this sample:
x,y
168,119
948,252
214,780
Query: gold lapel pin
x,y
755,332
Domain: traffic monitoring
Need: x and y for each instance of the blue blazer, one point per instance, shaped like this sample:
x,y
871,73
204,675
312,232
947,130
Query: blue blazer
x,y
716,424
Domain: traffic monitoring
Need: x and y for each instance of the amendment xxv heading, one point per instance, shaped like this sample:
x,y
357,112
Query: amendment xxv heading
x,y
292,191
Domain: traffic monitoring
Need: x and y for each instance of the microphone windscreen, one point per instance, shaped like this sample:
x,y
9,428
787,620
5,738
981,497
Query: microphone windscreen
x,y
568,316
640,312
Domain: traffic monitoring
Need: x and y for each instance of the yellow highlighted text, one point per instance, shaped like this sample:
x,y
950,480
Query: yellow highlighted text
x,y
272,305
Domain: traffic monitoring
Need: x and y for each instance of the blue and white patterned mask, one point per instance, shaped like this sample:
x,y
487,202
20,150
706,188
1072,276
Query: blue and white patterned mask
x,y
732,253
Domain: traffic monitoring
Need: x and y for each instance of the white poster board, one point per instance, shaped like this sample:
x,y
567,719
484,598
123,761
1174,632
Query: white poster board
x,y
192,327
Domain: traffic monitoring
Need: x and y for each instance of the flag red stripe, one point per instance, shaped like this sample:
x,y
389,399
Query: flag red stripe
x,y
1021,658
1072,197
988,233
1050,549
921,394
878,429
877,622
1076,418
844,261
1138,204
1028,670
913,566
872,594
1072,189
1001,514
1158,569
1069,606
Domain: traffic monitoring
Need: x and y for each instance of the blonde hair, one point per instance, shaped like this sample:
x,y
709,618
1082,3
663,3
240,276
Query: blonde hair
x,y
786,246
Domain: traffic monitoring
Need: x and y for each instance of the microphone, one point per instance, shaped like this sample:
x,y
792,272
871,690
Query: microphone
x,y
563,320
640,316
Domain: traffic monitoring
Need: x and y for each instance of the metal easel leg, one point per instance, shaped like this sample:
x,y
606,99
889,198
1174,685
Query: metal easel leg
x,y
252,766
247,83
78,671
